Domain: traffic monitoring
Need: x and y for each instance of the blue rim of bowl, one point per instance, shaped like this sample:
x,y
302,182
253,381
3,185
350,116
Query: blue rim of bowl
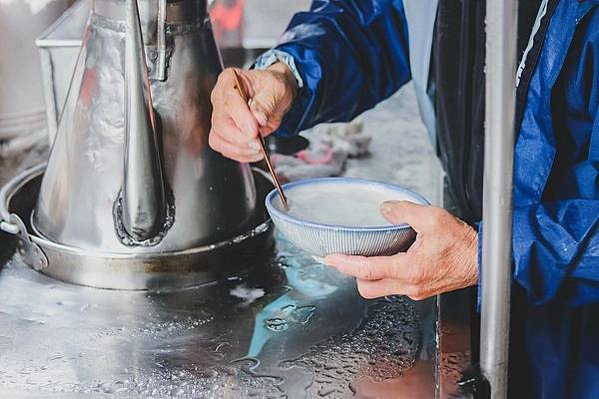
x,y
282,215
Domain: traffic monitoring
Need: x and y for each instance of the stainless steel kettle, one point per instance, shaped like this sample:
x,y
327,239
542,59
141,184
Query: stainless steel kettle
x,y
130,170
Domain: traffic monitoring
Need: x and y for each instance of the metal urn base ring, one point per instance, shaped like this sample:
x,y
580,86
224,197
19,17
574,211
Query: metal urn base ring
x,y
128,271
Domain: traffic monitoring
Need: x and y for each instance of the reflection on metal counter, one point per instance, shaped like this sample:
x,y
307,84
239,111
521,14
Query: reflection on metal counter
x,y
289,328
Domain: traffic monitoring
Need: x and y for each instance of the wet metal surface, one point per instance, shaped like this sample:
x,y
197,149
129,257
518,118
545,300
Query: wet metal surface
x,y
292,328
289,328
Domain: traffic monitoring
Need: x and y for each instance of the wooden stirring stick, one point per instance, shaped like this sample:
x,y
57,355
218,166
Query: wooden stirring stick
x,y
263,149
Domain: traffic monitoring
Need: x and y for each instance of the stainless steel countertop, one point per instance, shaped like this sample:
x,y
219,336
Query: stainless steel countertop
x,y
290,328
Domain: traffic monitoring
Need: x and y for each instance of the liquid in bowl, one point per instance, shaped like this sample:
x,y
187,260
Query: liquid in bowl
x,y
340,205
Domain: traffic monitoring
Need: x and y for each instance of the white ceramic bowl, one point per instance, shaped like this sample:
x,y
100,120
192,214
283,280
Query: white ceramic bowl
x,y
321,239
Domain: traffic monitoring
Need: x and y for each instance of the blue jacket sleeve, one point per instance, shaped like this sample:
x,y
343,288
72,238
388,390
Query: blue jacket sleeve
x,y
556,239
556,251
350,54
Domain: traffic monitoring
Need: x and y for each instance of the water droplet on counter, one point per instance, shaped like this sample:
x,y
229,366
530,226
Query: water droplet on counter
x,y
377,349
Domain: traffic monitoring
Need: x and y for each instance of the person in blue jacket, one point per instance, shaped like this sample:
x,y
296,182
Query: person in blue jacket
x,y
344,56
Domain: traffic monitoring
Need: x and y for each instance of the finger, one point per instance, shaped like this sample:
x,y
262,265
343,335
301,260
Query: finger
x,y
230,150
260,112
416,215
231,102
220,145
267,121
370,289
239,111
225,127
368,268
378,288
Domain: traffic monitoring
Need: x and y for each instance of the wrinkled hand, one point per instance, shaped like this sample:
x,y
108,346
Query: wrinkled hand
x,y
235,125
443,258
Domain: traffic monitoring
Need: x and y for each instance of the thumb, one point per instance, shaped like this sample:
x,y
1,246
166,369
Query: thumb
x,y
400,212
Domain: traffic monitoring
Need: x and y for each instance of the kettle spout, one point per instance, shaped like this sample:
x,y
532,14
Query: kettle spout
x,y
143,193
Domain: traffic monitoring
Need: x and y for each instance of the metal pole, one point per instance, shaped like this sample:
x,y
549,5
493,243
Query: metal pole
x,y
501,31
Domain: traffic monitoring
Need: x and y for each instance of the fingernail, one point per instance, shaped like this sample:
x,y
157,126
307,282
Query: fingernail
x,y
387,206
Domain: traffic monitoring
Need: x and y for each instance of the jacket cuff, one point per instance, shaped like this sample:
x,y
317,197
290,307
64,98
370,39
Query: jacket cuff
x,y
272,57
